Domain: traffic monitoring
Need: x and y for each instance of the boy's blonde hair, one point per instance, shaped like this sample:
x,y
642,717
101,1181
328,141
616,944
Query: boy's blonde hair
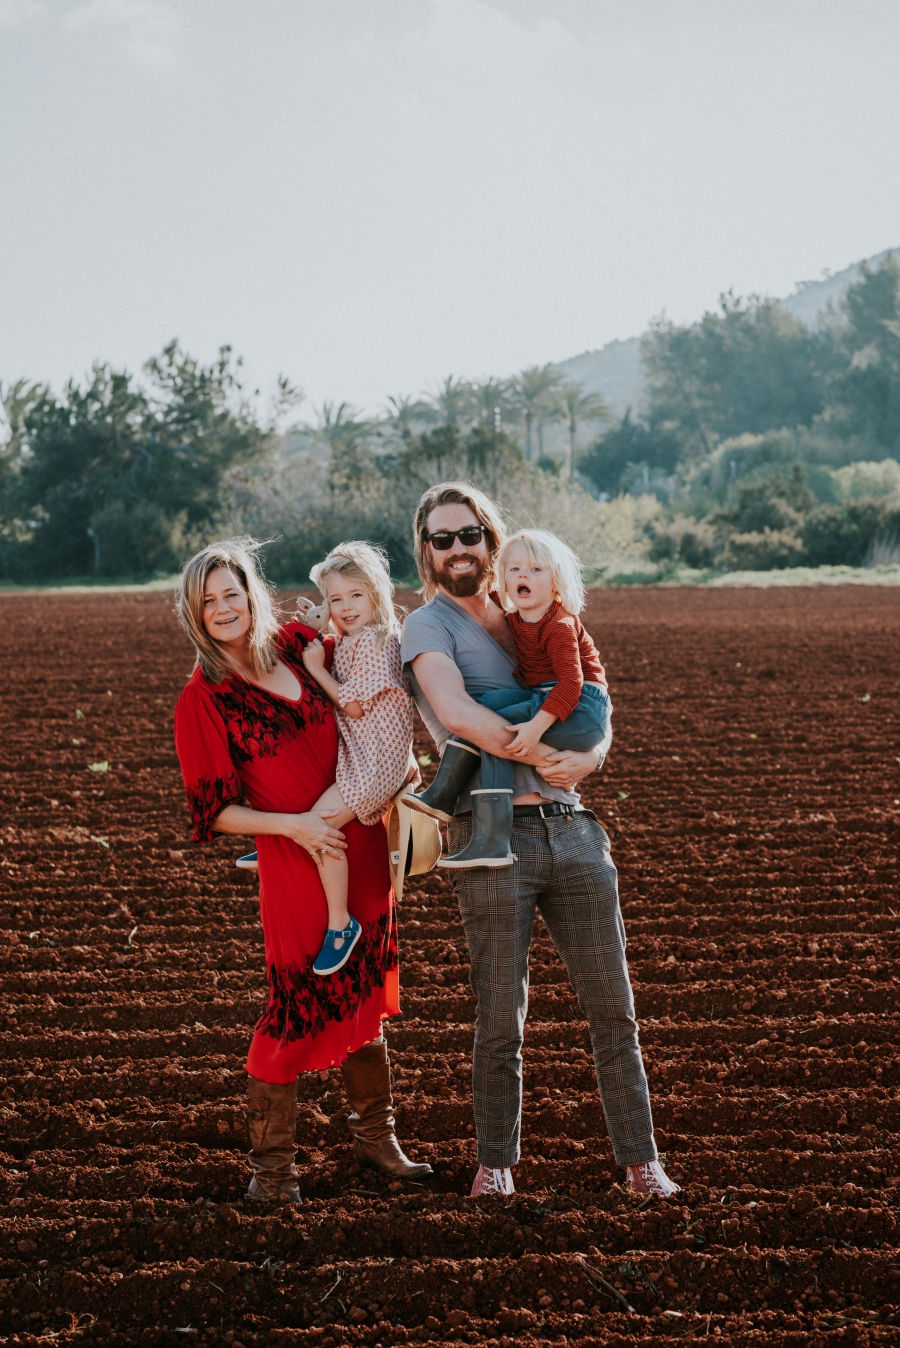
x,y
546,550
370,566
239,556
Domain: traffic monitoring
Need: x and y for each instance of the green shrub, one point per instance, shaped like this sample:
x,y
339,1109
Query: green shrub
x,y
844,535
762,550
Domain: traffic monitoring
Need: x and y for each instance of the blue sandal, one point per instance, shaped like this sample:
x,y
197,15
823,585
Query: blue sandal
x,y
248,862
331,958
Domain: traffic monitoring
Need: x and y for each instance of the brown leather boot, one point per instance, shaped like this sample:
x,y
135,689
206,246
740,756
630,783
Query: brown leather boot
x,y
367,1081
271,1113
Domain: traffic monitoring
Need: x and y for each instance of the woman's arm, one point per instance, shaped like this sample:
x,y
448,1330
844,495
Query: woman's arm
x,y
306,830
314,664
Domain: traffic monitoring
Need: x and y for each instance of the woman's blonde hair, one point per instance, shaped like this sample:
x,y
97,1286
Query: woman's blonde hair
x,y
370,566
481,506
239,556
546,550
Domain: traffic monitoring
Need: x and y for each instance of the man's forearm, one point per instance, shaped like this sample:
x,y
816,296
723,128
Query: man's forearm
x,y
484,727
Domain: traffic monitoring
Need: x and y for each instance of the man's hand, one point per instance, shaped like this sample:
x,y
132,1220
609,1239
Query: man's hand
x,y
565,768
314,657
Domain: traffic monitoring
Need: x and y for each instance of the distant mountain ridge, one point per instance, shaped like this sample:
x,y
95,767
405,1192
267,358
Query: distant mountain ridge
x,y
615,372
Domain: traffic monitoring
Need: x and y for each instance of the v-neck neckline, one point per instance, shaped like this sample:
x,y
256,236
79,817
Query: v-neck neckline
x,y
475,623
294,701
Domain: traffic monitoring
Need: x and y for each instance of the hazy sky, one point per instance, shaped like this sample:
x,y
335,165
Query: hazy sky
x,y
370,194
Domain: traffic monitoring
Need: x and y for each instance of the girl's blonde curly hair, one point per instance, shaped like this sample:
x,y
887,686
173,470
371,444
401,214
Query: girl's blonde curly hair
x,y
369,565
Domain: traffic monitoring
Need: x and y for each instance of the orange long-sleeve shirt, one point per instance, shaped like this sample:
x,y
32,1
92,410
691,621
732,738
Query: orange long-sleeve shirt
x,y
556,648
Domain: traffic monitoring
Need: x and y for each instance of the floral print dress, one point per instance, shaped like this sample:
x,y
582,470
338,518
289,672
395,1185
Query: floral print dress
x,y
375,750
238,743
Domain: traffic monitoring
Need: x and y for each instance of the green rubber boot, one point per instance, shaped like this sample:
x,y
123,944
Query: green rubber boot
x,y
459,762
492,817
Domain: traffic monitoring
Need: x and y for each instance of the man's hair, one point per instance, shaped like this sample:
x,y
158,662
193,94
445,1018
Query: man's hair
x,y
370,567
550,552
237,555
481,506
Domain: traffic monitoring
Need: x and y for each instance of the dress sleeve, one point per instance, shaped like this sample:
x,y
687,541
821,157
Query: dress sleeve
x,y
561,645
294,637
209,775
373,670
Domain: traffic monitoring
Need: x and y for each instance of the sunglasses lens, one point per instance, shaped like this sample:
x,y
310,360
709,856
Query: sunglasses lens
x,y
443,540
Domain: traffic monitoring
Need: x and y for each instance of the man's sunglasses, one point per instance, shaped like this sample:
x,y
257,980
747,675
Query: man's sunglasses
x,y
442,540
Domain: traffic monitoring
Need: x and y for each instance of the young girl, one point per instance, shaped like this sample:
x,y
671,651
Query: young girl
x,y
374,715
564,702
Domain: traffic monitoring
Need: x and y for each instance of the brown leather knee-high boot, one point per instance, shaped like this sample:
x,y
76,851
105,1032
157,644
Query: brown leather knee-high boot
x,y
271,1113
367,1081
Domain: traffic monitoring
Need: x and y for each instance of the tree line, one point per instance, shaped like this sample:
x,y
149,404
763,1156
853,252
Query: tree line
x,y
123,477
741,452
751,418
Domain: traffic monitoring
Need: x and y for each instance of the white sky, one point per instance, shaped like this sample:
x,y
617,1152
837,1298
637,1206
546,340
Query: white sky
x,y
370,194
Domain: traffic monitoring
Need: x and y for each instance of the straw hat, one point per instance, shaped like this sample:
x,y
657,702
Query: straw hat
x,y
414,842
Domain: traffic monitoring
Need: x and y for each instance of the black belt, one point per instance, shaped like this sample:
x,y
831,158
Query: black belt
x,y
548,811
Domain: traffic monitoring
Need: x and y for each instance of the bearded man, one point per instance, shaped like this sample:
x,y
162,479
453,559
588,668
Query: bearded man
x,y
456,647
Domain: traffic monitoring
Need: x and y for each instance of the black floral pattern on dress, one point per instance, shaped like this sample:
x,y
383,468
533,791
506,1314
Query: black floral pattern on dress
x,y
301,1003
258,722
206,801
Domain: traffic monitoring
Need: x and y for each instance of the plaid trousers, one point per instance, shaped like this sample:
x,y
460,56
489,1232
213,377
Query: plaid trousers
x,y
564,868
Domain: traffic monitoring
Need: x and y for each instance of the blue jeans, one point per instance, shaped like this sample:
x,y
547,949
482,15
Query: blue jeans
x,y
588,727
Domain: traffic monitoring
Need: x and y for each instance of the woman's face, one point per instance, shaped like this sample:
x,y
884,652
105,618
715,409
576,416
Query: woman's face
x,y
226,609
348,604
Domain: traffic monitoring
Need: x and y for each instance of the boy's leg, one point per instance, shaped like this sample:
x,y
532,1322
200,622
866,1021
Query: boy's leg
x,y
497,910
333,867
588,727
581,910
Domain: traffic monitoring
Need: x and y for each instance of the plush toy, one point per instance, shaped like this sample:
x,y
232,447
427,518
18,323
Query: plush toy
x,y
313,615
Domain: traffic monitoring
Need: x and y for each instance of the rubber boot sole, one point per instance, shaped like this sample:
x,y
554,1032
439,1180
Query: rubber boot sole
x,y
415,804
449,863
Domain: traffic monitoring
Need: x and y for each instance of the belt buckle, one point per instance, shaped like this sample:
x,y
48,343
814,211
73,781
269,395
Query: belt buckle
x,y
541,813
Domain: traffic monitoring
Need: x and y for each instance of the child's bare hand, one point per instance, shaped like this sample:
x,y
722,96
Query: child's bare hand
x,y
314,657
525,740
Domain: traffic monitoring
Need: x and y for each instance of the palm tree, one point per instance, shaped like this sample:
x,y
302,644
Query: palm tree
x,y
343,433
403,412
489,401
452,402
578,406
537,390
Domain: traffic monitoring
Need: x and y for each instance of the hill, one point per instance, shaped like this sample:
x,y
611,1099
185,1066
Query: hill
x,y
614,371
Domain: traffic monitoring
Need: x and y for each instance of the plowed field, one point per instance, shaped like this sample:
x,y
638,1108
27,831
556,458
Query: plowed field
x,y
752,800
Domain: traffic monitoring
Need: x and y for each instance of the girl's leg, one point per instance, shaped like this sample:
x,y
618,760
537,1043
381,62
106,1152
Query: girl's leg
x,y
333,865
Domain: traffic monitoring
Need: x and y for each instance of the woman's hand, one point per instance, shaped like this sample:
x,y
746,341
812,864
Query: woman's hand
x,y
314,657
311,832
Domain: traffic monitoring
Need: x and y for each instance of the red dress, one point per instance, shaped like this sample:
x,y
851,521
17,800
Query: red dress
x,y
238,743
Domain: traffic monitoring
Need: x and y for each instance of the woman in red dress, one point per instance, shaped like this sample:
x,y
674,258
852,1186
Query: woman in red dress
x,y
257,743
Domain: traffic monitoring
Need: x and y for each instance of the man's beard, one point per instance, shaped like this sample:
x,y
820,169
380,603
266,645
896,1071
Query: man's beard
x,y
465,586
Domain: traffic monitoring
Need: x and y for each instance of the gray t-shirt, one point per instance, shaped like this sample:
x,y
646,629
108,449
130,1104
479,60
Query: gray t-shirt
x,y
441,625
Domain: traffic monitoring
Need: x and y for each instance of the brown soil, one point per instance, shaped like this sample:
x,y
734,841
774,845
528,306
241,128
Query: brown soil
x,y
752,801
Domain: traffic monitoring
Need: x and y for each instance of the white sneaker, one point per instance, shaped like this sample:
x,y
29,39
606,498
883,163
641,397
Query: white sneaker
x,y
650,1178
492,1181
